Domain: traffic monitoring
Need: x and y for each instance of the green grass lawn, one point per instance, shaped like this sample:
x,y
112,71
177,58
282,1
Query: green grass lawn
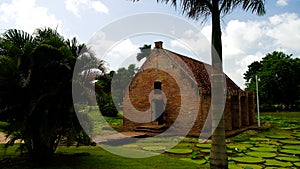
x,y
264,147
95,157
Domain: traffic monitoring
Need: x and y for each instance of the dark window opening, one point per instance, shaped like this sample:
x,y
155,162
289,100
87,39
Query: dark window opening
x,y
157,87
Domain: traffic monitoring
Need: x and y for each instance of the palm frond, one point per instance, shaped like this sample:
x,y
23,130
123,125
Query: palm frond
x,y
255,6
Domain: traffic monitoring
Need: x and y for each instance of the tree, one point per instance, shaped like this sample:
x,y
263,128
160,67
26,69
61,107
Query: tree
x,y
120,81
279,80
36,91
103,95
110,89
145,52
216,8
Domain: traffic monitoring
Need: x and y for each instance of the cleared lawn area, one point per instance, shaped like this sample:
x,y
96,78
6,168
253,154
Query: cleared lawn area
x,y
283,115
95,157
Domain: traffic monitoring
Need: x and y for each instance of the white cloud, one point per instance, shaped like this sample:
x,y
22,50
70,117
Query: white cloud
x,y
282,2
284,29
75,5
26,15
122,54
99,6
116,54
194,43
247,41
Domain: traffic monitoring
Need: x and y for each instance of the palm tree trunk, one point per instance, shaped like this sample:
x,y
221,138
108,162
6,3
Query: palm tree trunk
x,y
218,151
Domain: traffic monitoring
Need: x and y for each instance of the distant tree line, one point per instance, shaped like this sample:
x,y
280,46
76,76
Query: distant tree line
x,y
279,81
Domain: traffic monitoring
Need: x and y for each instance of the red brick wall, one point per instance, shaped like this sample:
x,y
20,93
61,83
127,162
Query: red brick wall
x,y
186,104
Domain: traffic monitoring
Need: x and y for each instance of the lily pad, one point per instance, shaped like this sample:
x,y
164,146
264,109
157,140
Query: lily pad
x,y
297,164
294,142
154,148
259,139
262,154
243,166
288,151
197,161
292,147
239,147
264,149
296,134
249,166
277,137
248,160
288,159
130,146
203,145
204,150
179,151
275,163
273,143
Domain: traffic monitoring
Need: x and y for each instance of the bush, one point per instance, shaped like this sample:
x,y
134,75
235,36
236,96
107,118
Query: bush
x,y
107,107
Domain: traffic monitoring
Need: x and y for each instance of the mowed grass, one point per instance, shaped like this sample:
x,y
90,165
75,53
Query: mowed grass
x,y
283,115
88,157
96,157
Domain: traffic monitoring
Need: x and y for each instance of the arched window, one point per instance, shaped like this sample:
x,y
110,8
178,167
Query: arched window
x,y
157,87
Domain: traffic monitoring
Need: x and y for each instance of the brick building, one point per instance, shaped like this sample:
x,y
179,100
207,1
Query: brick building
x,y
173,92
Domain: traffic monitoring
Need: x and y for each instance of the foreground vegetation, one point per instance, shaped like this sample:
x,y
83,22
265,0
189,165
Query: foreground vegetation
x,y
276,147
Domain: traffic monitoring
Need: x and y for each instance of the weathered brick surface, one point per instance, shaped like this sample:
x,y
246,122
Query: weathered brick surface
x,y
187,100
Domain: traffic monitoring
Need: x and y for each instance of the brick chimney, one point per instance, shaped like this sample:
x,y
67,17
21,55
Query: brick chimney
x,y
158,44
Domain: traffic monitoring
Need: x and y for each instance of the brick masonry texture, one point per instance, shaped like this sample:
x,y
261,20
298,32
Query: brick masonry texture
x,y
186,90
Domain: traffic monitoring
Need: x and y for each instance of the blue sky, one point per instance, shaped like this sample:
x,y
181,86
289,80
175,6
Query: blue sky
x,y
246,37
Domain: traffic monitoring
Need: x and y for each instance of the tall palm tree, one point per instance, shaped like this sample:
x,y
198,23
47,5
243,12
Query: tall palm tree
x,y
196,9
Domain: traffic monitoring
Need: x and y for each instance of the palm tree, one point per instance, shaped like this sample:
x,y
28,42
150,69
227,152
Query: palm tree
x,y
145,52
36,91
196,9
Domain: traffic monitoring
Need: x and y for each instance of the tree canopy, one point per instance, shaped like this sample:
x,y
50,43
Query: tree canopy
x,y
36,103
279,79
145,52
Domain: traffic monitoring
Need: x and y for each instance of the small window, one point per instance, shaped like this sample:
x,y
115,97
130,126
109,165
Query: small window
x,y
157,87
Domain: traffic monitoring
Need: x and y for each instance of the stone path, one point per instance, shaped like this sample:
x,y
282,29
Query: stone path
x,y
118,136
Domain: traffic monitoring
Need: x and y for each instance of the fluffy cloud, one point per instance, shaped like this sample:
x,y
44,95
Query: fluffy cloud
x,y
247,41
194,44
116,54
26,15
74,6
282,2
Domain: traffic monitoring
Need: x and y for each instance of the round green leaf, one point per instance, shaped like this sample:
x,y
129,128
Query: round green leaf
x,y
154,148
275,163
179,151
252,166
289,151
292,147
297,164
203,145
239,147
204,150
288,159
248,160
277,137
262,154
294,142
259,139
264,149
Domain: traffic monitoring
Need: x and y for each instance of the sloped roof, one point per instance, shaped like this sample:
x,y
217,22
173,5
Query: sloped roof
x,y
201,71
